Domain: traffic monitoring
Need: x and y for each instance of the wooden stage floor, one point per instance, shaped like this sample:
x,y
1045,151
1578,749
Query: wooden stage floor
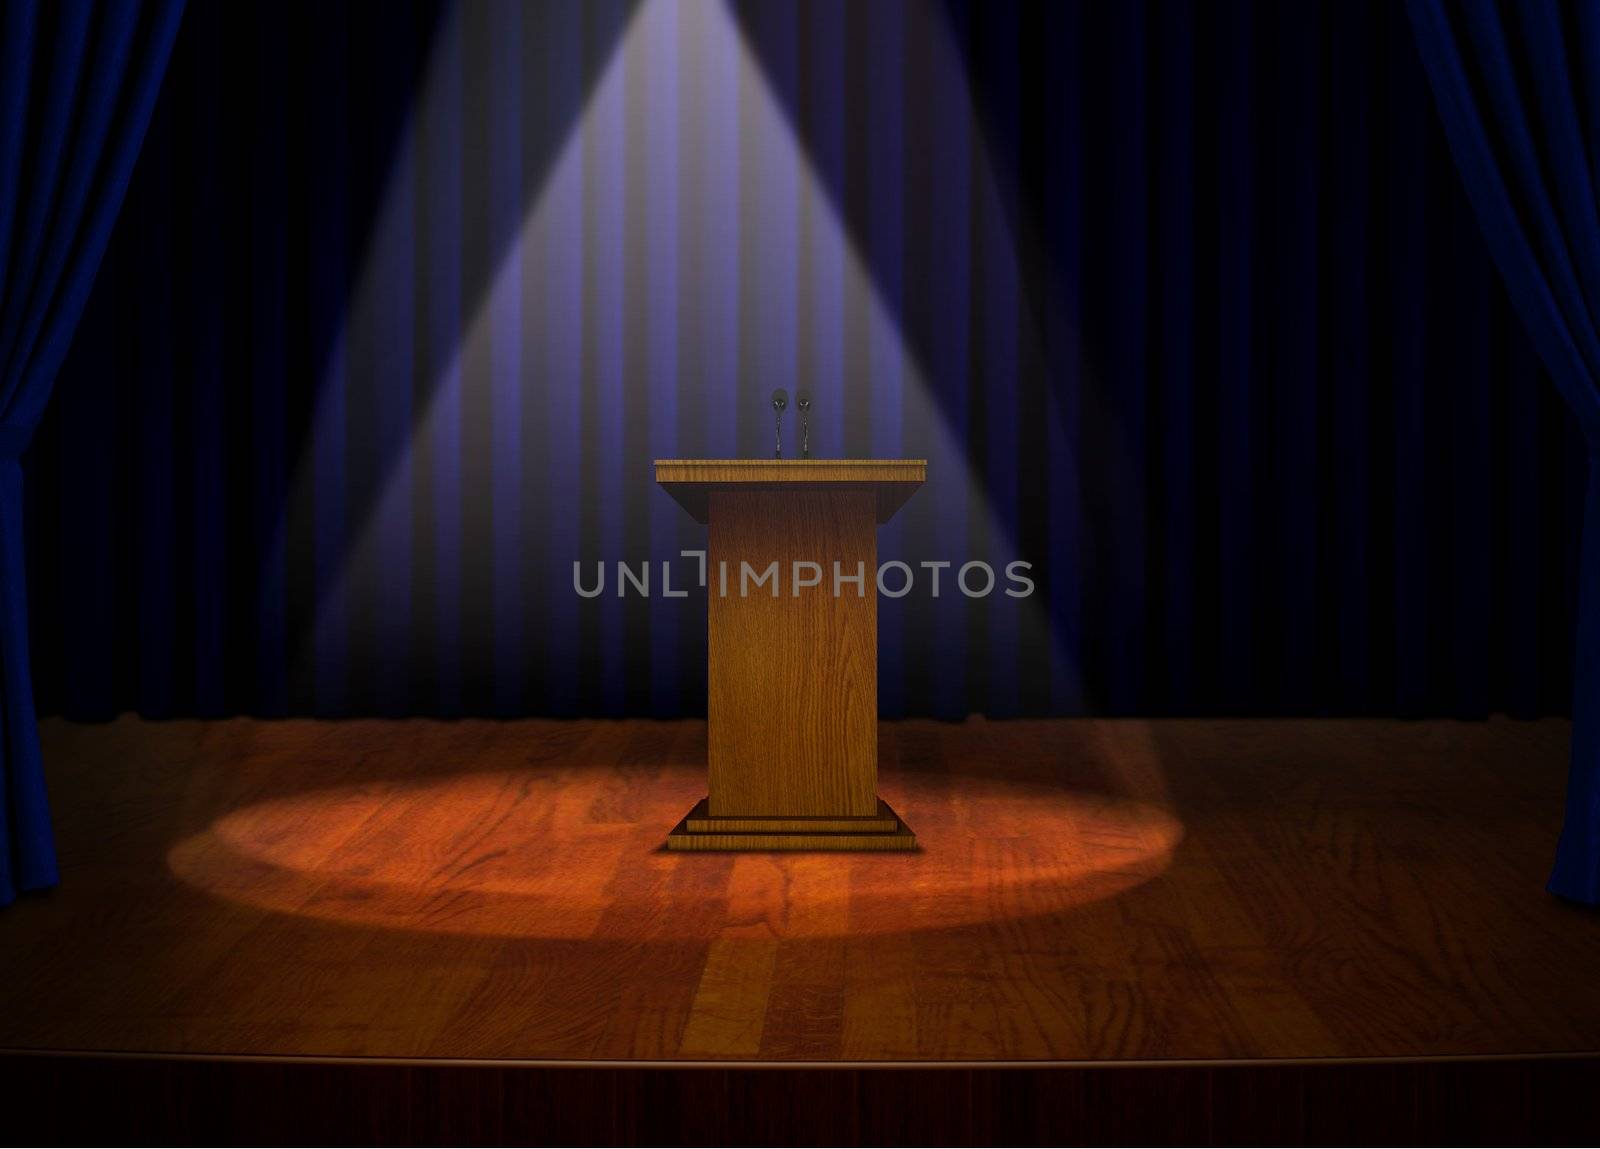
x,y
1084,890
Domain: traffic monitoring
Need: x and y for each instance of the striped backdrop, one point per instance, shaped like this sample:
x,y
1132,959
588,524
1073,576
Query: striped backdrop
x,y
1183,303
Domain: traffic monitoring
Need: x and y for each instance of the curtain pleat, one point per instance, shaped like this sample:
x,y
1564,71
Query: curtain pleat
x,y
79,87
1184,304
1515,98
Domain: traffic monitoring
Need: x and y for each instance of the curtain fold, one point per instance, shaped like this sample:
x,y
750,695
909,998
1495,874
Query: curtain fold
x,y
78,82
1518,92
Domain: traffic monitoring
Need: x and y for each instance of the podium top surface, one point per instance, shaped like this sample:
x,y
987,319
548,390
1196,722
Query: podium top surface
x,y
690,481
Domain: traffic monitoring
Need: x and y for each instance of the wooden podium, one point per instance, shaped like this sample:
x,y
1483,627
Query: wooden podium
x,y
792,715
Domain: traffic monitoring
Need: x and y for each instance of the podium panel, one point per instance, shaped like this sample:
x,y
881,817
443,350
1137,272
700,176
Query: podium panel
x,y
792,699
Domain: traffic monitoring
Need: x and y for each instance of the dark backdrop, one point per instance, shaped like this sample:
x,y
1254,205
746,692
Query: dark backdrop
x,y
1184,304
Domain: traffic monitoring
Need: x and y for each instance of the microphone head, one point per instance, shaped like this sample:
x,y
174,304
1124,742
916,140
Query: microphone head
x,y
802,399
780,399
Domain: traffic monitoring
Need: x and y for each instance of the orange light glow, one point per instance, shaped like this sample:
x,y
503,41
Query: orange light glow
x,y
571,854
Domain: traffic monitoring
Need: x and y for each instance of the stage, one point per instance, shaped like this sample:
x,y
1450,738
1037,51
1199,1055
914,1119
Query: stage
x,y
1206,893
1084,890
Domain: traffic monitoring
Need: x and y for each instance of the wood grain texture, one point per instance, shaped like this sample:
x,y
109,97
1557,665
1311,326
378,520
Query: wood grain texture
x,y
792,698
1086,889
884,821
715,837
890,481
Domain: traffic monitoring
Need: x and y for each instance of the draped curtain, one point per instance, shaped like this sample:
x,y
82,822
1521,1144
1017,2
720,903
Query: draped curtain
x,y
1518,90
78,82
1185,303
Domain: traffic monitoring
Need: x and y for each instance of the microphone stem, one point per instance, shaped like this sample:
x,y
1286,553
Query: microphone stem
x,y
777,429
805,436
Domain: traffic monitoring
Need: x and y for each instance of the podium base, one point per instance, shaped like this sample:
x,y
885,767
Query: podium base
x,y
701,831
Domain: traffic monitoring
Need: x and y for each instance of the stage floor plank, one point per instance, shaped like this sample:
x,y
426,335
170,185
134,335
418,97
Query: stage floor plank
x,y
1085,889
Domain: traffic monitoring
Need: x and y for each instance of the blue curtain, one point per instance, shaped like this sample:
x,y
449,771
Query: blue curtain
x,y
1518,90
1186,302
78,82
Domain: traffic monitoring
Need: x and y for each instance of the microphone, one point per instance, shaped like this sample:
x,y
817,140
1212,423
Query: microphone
x,y
780,402
802,400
